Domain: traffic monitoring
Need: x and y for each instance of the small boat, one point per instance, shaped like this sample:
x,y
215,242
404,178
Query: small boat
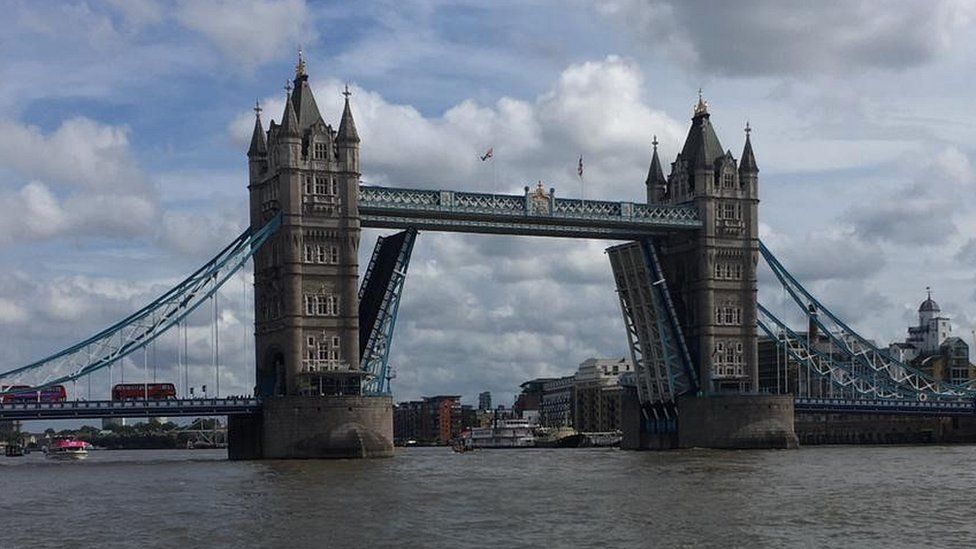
x,y
460,446
68,449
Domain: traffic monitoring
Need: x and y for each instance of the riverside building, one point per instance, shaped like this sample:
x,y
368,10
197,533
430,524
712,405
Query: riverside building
x,y
931,347
598,394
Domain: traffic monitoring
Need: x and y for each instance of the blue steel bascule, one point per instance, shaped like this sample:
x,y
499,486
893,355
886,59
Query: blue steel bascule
x,y
685,280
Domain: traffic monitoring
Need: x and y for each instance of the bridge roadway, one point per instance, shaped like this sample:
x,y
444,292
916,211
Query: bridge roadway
x,y
93,409
89,409
536,213
885,407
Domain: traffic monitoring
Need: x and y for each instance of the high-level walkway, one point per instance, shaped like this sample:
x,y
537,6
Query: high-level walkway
x,y
536,213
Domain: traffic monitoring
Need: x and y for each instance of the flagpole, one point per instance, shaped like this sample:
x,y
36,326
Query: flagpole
x,y
579,170
494,176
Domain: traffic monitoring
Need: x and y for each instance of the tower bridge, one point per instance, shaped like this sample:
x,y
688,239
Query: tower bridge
x,y
684,263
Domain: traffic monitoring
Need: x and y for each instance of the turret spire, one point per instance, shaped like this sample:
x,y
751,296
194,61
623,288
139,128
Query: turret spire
x,y
289,123
655,175
306,111
347,126
301,69
702,106
258,147
748,162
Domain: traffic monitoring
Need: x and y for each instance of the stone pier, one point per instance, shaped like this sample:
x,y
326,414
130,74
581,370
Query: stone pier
x,y
306,427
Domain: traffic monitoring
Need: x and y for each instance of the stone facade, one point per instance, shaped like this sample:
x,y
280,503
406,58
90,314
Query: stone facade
x,y
306,275
712,272
597,405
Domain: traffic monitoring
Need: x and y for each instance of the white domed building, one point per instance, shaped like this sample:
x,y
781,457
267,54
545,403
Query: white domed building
x,y
931,347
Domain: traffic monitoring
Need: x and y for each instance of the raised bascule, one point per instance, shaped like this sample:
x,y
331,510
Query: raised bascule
x,y
684,263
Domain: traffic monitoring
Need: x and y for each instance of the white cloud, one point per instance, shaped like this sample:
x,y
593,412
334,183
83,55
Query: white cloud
x,y
11,313
250,32
83,181
80,152
771,37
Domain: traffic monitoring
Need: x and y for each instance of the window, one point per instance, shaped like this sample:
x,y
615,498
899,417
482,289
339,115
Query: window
x,y
324,254
320,151
728,180
728,270
311,341
321,185
309,188
321,305
728,315
728,210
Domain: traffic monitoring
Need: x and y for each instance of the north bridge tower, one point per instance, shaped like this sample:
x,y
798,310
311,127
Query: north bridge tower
x,y
308,371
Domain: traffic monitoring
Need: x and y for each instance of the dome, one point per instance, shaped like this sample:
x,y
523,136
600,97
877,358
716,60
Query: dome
x,y
929,306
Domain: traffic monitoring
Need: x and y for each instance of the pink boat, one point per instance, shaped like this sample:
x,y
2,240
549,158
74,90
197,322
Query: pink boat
x,y
68,448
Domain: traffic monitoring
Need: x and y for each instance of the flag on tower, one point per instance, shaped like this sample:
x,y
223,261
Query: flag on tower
x,y
488,154
579,169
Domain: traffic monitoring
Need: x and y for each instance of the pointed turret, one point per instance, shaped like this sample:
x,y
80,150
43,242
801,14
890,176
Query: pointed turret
x,y
289,123
258,146
748,162
655,176
702,147
306,110
347,126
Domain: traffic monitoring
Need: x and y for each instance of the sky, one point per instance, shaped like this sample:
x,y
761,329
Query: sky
x,y
124,126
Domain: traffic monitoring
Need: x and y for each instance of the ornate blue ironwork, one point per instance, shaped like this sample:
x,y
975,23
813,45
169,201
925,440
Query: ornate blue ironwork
x,y
867,360
379,301
537,212
142,327
941,408
78,409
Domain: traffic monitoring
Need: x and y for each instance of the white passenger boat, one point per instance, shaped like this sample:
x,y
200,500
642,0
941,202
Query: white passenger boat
x,y
505,433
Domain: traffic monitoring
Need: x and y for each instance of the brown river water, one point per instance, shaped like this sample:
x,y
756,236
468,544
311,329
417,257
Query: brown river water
x,y
853,496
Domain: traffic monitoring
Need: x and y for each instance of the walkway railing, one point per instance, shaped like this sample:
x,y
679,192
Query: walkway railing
x,y
129,408
536,212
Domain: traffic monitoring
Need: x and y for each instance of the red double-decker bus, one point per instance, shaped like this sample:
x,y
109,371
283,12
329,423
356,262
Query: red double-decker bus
x,y
26,393
140,391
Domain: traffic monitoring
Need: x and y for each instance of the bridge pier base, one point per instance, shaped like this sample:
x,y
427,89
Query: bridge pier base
x,y
307,427
736,421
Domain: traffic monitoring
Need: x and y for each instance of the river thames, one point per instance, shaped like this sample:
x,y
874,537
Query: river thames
x,y
853,496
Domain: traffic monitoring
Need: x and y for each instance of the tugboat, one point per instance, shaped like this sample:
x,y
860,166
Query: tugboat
x,y
67,448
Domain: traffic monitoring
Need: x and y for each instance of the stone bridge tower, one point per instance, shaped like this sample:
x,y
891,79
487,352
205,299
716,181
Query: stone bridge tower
x,y
306,304
712,272
306,276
